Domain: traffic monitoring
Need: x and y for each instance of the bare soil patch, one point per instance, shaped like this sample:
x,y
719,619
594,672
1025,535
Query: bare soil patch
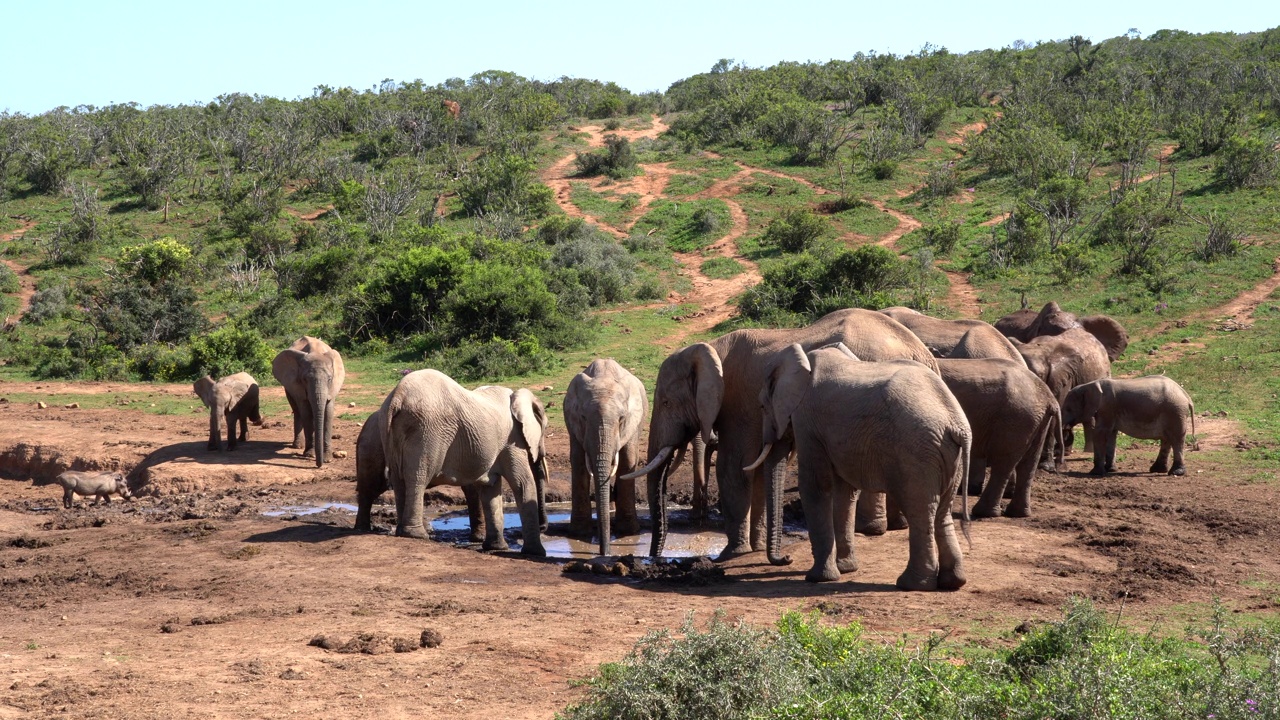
x,y
28,283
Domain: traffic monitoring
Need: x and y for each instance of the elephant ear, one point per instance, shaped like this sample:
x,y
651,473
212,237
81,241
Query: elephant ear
x,y
788,381
532,418
708,380
204,388
1092,399
1110,333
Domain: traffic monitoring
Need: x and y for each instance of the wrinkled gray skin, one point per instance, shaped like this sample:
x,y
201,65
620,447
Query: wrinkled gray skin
x,y
99,484
1063,361
942,337
233,399
312,374
1012,415
604,411
436,432
1026,325
889,427
712,389
371,479
1150,408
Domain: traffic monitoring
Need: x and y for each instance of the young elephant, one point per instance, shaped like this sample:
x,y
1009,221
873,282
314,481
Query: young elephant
x,y
234,399
1150,408
100,484
1012,413
872,427
604,409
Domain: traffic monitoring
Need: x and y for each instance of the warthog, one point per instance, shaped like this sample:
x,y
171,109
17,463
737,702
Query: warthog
x,y
99,484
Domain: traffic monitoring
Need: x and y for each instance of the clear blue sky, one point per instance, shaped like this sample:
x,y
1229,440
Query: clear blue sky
x,y
65,52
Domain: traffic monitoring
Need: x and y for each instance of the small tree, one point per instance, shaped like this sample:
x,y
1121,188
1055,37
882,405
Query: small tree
x,y
794,231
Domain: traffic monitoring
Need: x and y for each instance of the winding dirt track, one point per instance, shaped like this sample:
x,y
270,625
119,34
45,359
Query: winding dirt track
x,y
28,289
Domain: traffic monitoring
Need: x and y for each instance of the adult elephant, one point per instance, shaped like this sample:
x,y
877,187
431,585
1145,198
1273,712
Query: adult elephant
x,y
371,479
1064,361
437,432
1012,413
604,411
942,337
232,399
1026,325
711,388
890,427
312,374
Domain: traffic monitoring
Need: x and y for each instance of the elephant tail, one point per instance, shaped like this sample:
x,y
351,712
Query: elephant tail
x,y
964,439
391,459
1191,407
1055,434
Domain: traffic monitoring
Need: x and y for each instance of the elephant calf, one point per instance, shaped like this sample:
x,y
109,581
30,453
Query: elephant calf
x,y
100,484
232,399
1150,408
1012,413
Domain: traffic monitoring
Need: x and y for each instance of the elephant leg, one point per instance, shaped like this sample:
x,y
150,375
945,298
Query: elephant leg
x,y
244,428
1088,429
581,523
475,512
1178,468
520,479
1100,459
988,505
922,563
816,486
416,472
231,420
297,421
307,418
624,495
1109,442
1024,473
951,575
845,497
871,518
491,503
1161,465
758,532
735,503
894,517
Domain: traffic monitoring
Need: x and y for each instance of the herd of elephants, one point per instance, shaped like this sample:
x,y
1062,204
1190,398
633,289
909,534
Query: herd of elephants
x,y
890,413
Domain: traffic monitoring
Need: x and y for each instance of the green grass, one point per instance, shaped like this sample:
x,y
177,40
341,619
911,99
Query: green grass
x,y
686,226
721,268
605,206
688,184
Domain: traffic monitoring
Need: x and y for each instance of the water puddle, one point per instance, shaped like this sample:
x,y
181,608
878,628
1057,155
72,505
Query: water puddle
x,y
310,509
454,527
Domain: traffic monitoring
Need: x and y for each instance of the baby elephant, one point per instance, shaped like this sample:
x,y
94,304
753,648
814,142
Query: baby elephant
x,y
1151,408
84,484
231,399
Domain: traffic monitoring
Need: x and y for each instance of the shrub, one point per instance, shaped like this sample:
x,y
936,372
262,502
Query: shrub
x,y
684,225
603,266
9,282
942,236
883,169
47,304
1249,161
721,267
942,180
617,160
155,262
808,285
73,241
504,182
1222,238
794,231
330,272
230,349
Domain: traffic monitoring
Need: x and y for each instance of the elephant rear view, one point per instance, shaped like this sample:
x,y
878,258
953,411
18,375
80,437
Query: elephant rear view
x,y
312,374
604,409
887,427
233,399
437,432
944,337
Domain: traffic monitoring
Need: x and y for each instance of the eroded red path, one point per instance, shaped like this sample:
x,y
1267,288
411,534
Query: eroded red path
x,y
28,283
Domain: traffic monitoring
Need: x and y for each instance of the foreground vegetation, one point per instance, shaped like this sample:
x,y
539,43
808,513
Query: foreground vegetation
x,y
1083,666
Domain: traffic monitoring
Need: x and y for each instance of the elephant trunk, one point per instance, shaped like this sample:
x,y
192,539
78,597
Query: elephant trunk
x,y
603,469
658,508
216,414
318,395
540,476
776,467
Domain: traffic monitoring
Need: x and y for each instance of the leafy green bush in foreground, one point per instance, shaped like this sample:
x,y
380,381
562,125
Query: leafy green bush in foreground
x,y
1082,667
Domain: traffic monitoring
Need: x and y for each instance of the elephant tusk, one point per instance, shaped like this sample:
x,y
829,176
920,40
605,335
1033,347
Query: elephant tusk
x,y
658,459
760,460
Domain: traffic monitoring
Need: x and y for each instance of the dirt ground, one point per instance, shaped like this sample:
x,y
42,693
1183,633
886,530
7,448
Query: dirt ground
x,y
190,602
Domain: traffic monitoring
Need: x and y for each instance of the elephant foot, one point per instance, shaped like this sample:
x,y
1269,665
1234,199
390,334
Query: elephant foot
x,y
1097,471
627,526
495,546
910,582
952,579
981,512
1159,467
847,565
898,522
826,573
1180,470
1049,467
476,536
213,448
734,551
1111,468
1017,511
533,550
878,526
414,531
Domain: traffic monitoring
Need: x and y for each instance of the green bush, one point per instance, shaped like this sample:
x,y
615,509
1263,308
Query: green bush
x,y
230,349
164,260
809,285
504,183
1249,161
9,282
604,267
617,160
942,236
794,231
942,180
48,304
883,169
